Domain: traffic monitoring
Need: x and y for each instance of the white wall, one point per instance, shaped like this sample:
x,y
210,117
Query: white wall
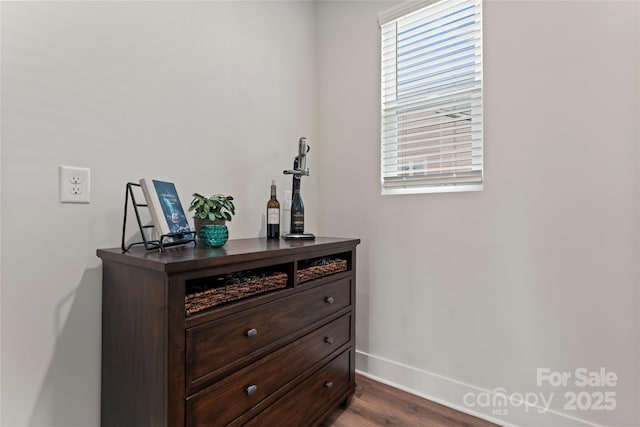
x,y
212,96
465,290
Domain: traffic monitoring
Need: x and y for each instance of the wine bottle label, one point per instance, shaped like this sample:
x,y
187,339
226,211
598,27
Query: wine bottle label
x,y
273,216
297,223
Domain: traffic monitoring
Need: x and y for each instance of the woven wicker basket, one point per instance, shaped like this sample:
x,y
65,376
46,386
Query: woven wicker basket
x,y
310,273
200,301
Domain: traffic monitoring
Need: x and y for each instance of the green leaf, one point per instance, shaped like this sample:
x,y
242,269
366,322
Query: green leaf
x,y
218,206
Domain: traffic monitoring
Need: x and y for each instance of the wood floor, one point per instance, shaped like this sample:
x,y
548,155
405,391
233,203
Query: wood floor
x,y
376,404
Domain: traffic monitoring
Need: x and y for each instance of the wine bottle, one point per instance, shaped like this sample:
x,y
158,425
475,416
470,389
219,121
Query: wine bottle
x,y
273,214
297,209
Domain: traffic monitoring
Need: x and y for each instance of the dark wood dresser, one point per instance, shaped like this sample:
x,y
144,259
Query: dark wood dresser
x,y
259,332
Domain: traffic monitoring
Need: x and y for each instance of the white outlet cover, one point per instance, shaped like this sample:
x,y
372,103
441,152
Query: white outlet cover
x,y
75,184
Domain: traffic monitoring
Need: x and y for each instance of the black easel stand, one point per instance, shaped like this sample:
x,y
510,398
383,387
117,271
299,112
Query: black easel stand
x,y
181,238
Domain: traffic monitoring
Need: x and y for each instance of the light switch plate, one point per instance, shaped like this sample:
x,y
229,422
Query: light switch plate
x,y
287,200
75,184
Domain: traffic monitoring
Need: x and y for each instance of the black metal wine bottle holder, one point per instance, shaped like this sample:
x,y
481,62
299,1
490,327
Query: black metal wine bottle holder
x,y
178,239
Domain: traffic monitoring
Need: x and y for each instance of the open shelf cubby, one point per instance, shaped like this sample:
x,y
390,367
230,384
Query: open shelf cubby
x,y
207,292
315,268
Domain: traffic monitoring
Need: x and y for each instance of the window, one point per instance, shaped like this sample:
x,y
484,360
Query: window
x,y
432,97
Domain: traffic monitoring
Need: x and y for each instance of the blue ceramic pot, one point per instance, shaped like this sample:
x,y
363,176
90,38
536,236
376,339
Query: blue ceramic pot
x,y
213,236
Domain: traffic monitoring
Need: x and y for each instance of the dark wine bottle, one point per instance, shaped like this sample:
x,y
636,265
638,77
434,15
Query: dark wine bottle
x,y
297,209
273,214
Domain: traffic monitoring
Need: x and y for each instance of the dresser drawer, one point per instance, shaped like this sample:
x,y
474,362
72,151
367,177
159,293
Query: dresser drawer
x,y
232,396
212,346
297,407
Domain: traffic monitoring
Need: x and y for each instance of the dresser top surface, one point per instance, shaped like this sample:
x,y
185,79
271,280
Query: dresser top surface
x,y
183,258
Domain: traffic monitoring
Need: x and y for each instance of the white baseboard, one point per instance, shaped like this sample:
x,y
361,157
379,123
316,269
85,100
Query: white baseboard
x,y
451,393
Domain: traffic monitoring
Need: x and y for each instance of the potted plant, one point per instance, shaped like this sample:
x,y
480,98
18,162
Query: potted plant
x,y
210,215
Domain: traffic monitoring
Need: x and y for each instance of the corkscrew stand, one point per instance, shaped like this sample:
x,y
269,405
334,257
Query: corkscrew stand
x,y
161,244
299,170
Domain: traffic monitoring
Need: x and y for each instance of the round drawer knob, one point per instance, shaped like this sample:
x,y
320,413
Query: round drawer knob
x,y
328,300
328,340
252,332
328,384
252,389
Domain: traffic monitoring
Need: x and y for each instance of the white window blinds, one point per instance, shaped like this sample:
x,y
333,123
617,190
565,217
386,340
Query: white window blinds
x,y
432,98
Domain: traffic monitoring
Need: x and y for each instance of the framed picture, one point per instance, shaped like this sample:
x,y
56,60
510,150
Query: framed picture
x,y
165,207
